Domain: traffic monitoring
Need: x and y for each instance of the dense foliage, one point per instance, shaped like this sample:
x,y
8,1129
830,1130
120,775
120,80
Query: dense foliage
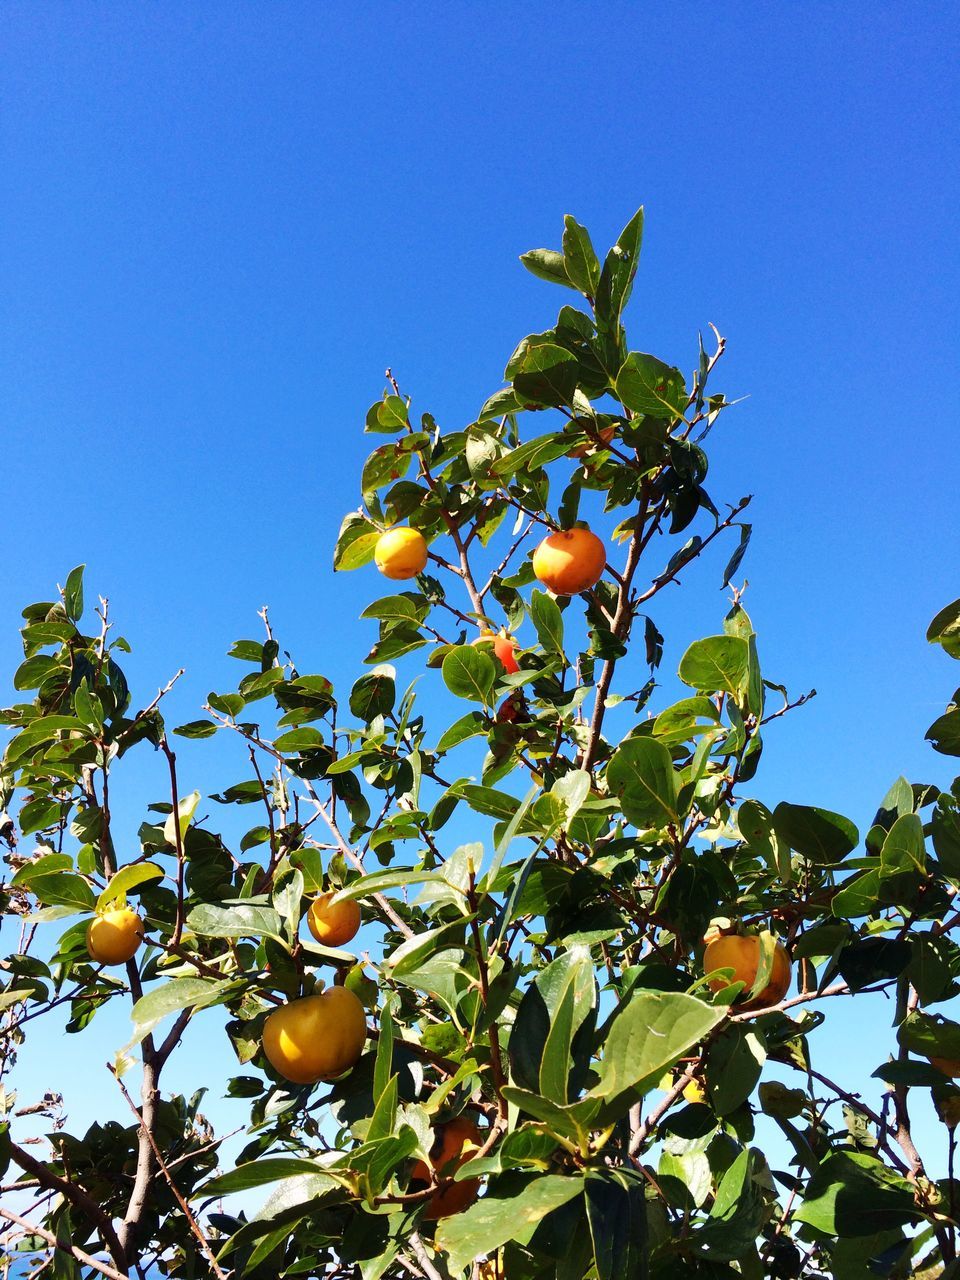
x,y
555,1083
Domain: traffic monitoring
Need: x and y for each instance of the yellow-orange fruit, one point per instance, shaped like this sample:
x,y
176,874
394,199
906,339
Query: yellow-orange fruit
x,y
317,1037
949,1066
400,553
569,561
458,1142
504,649
333,923
742,955
114,936
695,1092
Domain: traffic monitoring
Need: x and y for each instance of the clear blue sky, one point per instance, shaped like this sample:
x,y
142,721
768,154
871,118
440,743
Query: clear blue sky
x,y
220,223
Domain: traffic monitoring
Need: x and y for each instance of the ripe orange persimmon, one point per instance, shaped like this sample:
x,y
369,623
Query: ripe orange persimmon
x,y
569,561
504,648
742,955
114,936
456,1143
333,923
400,553
317,1037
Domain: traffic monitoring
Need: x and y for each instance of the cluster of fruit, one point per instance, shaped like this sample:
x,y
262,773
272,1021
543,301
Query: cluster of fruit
x,y
566,562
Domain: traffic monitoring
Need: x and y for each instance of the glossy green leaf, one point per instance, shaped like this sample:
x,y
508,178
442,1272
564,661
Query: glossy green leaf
x,y
823,837
717,664
647,1037
642,776
494,1220
470,673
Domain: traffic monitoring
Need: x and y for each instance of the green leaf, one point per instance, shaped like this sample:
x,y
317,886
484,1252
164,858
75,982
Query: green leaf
x,y
471,725
617,1216
374,694
379,881
547,264
73,594
647,1037
468,672
63,889
648,386
257,1173
944,733
823,837
579,258
404,607
642,776
128,878
738,1212
171,997
37,815
550,1014
241,920
930,1035
356,542
548,375
303,739
903,859
186,808
945,629
855,1195
717,664
494,1220
196,729
733,1068
619,269
548,621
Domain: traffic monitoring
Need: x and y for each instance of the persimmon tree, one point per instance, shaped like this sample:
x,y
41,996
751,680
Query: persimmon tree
x,y
550,1073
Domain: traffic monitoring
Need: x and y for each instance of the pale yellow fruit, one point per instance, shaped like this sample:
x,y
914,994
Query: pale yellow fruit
x,y
333,923
114,936
400,553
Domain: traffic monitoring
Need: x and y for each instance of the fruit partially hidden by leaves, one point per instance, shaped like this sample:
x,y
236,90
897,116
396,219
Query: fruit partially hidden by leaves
x,y
333,923
570,561
400,553
504,649
114,936
695,1092
315,1038
455,1144
949,1066
742,955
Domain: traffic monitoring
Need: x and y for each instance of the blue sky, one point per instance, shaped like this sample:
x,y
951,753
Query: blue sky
x,y
220,224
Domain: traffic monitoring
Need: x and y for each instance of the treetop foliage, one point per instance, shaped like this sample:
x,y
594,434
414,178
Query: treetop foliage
x,y
587,957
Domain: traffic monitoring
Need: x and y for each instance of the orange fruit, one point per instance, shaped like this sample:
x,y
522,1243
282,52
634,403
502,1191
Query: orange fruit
x,y
570,561
400,553
316,1037
742,955
949,1066
114,936
456,1143
333,923
504,649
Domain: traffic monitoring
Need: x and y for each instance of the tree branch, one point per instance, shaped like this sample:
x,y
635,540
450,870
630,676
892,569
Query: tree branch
x,y
74,1250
